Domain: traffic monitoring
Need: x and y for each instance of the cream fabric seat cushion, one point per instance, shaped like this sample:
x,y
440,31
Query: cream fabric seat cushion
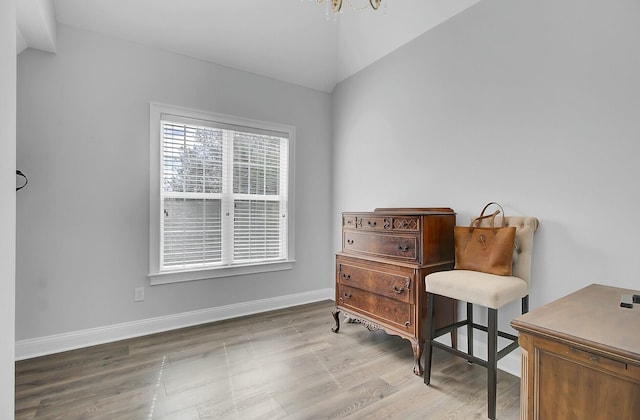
x,y
484,289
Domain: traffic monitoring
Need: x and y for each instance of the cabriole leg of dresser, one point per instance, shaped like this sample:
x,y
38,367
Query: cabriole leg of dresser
x,y
418,348
336,315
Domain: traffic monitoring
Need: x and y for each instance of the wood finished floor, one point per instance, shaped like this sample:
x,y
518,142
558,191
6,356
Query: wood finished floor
x,y
285,364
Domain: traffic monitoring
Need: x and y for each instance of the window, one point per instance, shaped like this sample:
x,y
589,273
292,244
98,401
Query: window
x,y
220,196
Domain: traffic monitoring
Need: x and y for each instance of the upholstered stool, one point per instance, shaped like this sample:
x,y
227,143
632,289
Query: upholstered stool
x,y
488,290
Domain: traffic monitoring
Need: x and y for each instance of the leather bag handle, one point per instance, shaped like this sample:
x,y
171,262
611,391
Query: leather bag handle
x,y
476,222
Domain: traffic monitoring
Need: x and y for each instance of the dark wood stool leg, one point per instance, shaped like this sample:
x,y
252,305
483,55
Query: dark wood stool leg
x,y
428,350
492,362
525,304
469,329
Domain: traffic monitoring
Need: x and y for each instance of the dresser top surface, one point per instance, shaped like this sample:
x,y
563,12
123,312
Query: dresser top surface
x,y
591,316
409,211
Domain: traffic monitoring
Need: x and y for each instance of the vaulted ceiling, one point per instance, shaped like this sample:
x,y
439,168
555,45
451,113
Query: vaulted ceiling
x,y
288,40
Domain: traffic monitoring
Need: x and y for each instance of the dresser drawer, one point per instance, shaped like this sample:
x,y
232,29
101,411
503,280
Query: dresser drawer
x,y
588,359
404,223
393,286
372,223
355,221
400,247
399,314
349,221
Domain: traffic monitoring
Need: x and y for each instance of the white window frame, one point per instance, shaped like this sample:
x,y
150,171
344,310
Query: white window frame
x,y
156,274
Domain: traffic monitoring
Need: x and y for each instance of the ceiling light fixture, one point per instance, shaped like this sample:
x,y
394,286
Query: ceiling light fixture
x,y
336,5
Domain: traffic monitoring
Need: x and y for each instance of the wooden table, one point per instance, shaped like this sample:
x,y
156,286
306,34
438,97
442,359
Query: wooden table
x,y
581,357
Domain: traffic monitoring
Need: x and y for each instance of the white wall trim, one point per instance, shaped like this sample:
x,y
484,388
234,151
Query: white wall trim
x,y
26,349
287,198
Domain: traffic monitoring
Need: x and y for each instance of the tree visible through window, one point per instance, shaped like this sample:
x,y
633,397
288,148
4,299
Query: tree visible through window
x,y
223,194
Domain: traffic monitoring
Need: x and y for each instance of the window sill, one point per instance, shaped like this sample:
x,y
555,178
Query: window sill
x,y
211,273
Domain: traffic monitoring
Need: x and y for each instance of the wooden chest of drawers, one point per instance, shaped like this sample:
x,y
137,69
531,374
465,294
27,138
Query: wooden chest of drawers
x,y
380,271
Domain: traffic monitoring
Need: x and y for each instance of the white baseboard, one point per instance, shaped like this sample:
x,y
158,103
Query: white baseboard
x,y
26,349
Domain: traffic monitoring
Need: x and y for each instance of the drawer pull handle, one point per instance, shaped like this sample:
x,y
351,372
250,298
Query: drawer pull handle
x,y
406,324
350,241
598,360
405,223
370,223
398,289
347,295
403,248
346,276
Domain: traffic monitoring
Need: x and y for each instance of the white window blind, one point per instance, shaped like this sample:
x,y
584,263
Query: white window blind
x,y
224,194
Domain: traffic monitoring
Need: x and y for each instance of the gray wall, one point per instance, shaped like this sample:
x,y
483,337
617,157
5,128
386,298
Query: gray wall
x,y
535,104
83,222
8,207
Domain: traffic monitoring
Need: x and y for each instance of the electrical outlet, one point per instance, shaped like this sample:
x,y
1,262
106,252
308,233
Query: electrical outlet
x,y
139,294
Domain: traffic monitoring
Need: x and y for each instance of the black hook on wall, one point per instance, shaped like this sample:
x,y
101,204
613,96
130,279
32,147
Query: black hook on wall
x,y
26,181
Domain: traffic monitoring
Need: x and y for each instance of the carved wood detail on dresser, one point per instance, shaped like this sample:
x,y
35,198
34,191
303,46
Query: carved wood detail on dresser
x,y
380,271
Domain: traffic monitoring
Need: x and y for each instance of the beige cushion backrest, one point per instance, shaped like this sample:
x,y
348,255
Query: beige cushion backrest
x,y
525,228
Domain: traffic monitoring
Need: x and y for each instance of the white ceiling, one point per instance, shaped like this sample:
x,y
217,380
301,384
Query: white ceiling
x,y
288,40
